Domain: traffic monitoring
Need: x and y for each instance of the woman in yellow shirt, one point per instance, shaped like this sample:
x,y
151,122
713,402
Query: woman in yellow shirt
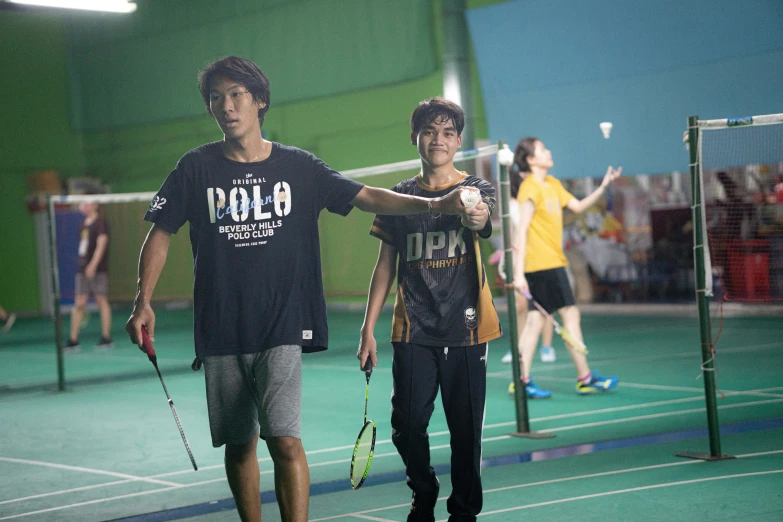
x,y
539,267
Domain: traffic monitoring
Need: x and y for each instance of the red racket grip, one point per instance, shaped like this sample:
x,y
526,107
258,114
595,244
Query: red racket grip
x,y
147,343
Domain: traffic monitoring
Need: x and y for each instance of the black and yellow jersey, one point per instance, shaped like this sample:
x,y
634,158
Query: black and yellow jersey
x,y
443,297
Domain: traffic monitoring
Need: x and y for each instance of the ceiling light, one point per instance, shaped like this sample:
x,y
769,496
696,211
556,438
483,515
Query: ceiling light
x,y
111,6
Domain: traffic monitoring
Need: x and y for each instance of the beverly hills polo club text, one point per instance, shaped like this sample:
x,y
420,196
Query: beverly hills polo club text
x,y
246,217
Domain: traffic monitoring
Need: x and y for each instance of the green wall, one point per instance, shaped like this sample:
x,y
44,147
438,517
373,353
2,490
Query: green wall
x,y
350,130
35,135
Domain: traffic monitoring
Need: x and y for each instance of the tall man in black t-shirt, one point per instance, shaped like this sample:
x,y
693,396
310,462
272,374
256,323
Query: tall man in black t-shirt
x,y
258,298
443,316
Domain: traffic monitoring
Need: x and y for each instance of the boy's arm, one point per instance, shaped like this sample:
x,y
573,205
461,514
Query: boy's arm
x,y
151,261
380,284
100,250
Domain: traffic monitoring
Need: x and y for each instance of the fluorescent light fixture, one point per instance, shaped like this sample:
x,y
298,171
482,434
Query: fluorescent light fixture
x,y
111,6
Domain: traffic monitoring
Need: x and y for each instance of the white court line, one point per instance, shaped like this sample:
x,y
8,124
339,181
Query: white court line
x,y
640,417
684,355
379,455
367,517
88,470
555,481
759,392
195,484
64,491
630,490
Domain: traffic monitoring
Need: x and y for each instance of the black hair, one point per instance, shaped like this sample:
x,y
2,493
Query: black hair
x,y
241,71
525,148
435,108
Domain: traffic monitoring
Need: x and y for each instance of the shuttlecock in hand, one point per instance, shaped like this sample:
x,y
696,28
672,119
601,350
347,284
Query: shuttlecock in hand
x,y
470,198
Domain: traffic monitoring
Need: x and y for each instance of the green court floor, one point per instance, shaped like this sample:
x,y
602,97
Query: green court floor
x,y
108,448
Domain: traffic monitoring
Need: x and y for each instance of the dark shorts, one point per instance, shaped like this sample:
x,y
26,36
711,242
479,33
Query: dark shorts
x,y
550,289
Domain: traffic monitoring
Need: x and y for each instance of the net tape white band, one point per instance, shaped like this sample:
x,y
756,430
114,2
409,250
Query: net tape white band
x,y
481,152
488,150
106,198
725,123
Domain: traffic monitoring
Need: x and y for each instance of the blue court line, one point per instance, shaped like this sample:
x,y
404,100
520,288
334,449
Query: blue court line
x,y
334,486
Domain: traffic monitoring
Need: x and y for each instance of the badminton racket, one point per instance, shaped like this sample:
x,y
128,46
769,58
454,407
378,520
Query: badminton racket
x,y
365,442
562,332
150,351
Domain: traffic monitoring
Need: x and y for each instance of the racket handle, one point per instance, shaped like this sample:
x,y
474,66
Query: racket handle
x,y
368,368
147,344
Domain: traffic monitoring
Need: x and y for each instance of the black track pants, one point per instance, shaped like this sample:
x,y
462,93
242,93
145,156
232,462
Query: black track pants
x,y
461,374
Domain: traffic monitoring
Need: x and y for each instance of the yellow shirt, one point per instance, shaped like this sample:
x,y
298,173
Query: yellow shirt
x,y
544,249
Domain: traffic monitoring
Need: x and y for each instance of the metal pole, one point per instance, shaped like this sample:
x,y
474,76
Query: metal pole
x,y
520,397
708,361
57,317
456,65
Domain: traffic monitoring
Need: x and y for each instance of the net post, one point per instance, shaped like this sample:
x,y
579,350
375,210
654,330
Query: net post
x,y
57,316
520,397
705,329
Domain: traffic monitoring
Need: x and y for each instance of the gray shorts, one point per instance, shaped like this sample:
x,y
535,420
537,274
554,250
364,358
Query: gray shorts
x,y
98,285
250,394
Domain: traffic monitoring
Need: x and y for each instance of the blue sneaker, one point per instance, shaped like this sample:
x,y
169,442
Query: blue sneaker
x,y
532,391
597,384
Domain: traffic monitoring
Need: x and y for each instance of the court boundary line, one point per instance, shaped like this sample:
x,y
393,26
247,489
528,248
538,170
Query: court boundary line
x,y
380,455
132,478
555,481
640,358
630,490
557,453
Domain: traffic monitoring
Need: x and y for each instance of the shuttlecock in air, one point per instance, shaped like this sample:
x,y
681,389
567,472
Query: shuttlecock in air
x,y
606,128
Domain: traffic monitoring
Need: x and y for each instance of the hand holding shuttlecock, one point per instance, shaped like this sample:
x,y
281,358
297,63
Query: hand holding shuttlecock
x,y
470,198
476,212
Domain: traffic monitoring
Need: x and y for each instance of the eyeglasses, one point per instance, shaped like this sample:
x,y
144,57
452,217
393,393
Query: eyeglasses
x,y
233,94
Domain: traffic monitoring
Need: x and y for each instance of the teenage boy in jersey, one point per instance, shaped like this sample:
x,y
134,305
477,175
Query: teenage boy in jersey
x,y
258,298
443,316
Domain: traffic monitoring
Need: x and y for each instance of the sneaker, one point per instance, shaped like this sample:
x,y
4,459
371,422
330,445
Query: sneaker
x,y
423,507
72,347
597,384
506,358
9,322
532,391
104,344
547,354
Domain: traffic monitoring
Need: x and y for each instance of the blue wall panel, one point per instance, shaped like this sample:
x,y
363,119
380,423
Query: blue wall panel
x,y
557,69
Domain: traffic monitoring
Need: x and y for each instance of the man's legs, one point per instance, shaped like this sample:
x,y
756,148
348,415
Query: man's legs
x,y
105,309
6,318
415,375
77,313
292,477
463,376
243,478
